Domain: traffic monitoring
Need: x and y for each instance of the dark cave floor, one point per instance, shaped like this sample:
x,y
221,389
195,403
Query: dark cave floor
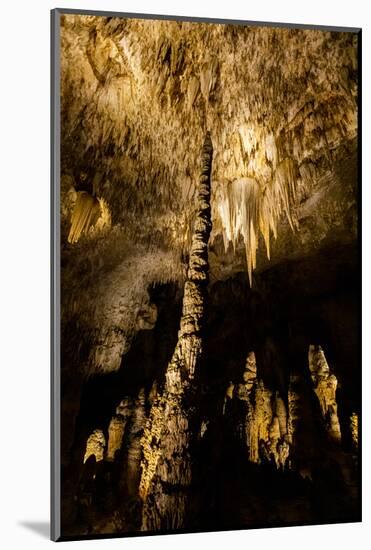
x,y
289,307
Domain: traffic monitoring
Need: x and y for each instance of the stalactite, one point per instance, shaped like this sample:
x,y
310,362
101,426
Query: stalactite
x,y
245,209
325,384
166,466
85,214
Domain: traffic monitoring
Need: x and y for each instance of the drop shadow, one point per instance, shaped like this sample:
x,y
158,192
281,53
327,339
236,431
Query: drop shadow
x,y
42,528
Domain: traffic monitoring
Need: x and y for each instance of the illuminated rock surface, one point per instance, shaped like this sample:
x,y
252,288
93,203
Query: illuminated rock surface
x,y
167,465
196,314
95,445
325,385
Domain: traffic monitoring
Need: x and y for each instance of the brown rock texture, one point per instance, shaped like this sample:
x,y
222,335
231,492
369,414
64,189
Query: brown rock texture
x,y
325,384
263,426
167,464
281,106
95,446
196,310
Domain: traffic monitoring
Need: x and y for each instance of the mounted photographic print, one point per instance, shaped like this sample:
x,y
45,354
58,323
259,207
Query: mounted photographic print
x,y
206,353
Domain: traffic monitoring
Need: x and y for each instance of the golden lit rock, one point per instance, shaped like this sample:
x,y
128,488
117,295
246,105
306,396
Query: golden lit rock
x,y
354,429
188,300
325,385
95,445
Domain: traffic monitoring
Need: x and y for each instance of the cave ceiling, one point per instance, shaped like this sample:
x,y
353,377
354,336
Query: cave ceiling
x,y
137,97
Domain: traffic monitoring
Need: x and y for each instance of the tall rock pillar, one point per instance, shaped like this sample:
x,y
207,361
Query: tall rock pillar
x,y
167,462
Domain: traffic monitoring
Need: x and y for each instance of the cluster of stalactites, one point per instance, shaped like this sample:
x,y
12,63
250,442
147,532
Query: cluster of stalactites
x,y
88,212
245,208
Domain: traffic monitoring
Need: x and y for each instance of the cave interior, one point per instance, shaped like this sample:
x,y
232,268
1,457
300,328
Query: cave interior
x,y
210,276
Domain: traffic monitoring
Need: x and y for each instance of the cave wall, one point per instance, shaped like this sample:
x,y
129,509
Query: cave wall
x,y
270,425
259,416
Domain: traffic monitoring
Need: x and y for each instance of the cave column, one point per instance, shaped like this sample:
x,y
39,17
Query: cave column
x,y
167,463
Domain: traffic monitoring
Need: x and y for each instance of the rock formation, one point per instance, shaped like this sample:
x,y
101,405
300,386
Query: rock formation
x,y
325,385
134,452
116,428
354,429
263,425
277,139
95,445
167,462
169,419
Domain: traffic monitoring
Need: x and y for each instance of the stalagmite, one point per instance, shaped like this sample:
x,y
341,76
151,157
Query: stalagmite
x,y
134,444
116,428
294,408
95,445
354,429
228,395
307,425
166,466
325,384
249,376
264,427
259,421
280,411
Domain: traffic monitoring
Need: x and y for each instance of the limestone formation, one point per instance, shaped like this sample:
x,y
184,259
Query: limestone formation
x,y
267,427
208,433
278,130
134,449
116,431
354,429
95,445
167,464
300,425
258,157
325,384
88,214
294,408
264,427
116,428
228,395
